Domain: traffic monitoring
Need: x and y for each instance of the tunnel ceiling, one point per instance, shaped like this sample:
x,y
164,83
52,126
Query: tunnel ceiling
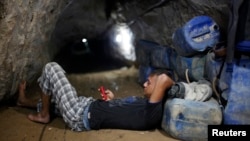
x,y
153,20
35,32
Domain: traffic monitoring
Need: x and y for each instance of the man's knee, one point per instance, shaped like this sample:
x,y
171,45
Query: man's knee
x,y
53,67
50,65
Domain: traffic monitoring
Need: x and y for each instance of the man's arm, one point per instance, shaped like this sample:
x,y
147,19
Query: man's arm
x,y
163,83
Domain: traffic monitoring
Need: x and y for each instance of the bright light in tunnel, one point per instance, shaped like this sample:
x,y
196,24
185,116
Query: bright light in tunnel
x,y
123,39
118,38
84,40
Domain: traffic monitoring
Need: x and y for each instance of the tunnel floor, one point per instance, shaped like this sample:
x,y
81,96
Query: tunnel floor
x,y
14,125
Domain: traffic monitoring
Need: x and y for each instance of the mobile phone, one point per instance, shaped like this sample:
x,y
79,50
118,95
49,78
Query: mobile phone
x,y
103,94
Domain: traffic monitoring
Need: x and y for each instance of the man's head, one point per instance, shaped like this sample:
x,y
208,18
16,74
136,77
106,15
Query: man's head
x,y
150,84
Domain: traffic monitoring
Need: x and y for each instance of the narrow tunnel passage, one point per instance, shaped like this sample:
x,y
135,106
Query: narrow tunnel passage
x,y
93,57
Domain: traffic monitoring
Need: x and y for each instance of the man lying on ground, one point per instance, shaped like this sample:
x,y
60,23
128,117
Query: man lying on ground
x,y
85,113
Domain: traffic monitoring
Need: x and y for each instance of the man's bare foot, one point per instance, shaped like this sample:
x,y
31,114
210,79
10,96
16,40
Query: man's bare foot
x,y
21,94
39,118
22,99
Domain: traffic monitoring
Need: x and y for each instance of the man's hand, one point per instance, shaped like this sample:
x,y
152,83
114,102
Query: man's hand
x,y
106,94
162,83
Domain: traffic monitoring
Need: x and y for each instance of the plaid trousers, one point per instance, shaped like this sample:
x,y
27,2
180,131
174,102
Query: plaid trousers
x,y
54,82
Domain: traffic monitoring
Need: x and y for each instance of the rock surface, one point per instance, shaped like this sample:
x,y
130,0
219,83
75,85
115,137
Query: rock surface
x,y
33,32
25,30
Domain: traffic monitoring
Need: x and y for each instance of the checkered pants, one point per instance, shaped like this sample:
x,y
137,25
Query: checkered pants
x,y
71,107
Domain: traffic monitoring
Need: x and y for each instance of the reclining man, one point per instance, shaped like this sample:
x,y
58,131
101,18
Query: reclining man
x,y
86,113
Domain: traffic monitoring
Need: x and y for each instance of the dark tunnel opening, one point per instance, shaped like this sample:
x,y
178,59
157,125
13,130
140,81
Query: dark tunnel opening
x,y
91,56
90,45
101,50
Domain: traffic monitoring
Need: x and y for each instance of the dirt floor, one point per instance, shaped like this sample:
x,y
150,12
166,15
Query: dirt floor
x,y
14,125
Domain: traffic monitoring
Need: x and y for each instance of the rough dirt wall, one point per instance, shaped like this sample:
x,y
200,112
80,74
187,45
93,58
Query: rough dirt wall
x,y
159,24
26,27
25,30
153,20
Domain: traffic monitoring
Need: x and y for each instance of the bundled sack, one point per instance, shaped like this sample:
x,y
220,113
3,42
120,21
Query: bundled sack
x,y
149,53
187,69
233,78
215,60
152,55
237,109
